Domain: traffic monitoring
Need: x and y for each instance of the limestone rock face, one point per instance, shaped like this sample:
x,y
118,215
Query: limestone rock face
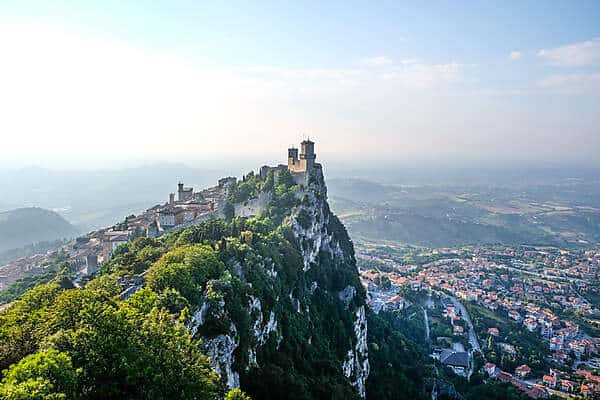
x,y
318,239
220,350
310,299
356,363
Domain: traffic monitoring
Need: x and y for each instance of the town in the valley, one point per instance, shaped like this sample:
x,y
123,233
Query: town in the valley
x,y
523,315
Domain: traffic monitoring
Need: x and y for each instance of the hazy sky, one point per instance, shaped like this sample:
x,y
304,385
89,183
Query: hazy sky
x,y
92,83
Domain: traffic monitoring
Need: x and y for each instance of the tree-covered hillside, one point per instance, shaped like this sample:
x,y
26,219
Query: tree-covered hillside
x,y
25,226
271,304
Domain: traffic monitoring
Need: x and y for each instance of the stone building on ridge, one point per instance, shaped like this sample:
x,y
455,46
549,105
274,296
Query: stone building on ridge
x,y
306,161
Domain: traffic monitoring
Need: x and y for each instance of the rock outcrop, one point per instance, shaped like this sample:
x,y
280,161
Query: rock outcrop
x,y
323,280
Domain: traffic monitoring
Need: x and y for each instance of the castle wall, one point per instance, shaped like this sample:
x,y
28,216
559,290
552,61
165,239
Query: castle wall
x,y
301,178
198,220
265,170
297,166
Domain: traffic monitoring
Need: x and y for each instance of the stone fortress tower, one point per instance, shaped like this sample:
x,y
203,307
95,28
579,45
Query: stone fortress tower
x,y
300,165
184,193
306,161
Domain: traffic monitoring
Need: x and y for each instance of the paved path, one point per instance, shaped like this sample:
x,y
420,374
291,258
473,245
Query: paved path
x,y
426,322
542,276
465,315
472,335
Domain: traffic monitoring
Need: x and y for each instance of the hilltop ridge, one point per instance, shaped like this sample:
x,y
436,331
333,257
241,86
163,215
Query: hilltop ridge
x,y
264,283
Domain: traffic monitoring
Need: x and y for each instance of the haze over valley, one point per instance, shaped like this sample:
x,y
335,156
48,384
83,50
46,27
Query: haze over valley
x,y
421,206
299,200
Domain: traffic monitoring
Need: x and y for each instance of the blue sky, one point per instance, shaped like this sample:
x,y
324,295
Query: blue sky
x,y
327,33
474,81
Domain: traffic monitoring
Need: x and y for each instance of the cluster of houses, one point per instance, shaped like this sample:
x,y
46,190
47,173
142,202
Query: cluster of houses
x,y
525,299
531,287
189,206
86,253
36,264
383,296
450,312
533,390
580,383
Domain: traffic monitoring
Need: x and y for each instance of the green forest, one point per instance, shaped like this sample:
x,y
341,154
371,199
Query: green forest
x,y
58,341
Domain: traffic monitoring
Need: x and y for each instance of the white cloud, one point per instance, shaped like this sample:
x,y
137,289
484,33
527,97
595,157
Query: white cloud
x,y
515,55
419,75
407,73
573,55
572,83
377,61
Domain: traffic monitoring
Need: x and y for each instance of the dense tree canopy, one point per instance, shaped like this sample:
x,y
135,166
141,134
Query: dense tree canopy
x,y
85,344
45,375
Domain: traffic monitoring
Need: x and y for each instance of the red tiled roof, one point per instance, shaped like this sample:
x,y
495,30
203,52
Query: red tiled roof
x,y
505,377
523,368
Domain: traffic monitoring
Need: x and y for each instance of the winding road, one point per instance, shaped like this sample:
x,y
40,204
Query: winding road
x,y
472,335
465,315
426,317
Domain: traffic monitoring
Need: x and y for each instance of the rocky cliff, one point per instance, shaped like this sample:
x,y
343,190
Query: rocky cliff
x,y
269,300
305,312
274,297
285,315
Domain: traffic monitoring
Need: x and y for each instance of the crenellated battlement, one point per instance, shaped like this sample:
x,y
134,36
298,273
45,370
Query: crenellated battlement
x,y
304,162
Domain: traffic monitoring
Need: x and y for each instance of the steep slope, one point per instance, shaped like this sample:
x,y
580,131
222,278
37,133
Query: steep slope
x,y
306,335
310,305
285,317
25,226
274,301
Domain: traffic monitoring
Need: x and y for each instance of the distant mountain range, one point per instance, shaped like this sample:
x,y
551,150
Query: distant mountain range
x,y
441,208
25,226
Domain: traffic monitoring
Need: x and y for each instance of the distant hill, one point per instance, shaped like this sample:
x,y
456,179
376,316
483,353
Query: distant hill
x,y
113,195
358,190
25,226
562,213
